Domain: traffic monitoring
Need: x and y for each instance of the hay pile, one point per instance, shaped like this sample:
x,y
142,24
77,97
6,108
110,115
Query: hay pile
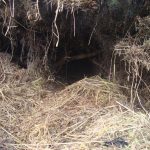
x,y
84,115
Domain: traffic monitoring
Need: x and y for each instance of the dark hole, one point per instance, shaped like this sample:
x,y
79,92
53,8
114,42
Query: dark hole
x,y
75,70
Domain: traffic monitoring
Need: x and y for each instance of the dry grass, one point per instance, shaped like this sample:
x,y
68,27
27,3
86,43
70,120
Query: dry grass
x,y
35,114
76,3
136,55
136,51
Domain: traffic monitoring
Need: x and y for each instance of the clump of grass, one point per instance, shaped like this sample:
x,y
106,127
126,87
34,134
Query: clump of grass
x,y
136,50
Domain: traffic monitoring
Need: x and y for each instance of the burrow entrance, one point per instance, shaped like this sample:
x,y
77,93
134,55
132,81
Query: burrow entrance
x,y
75,70
78,60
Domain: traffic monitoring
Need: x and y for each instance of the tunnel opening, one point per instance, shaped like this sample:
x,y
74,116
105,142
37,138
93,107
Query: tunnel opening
x,y
76,70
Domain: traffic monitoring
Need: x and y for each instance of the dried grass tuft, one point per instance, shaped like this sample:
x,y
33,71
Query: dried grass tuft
x,y
136,51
